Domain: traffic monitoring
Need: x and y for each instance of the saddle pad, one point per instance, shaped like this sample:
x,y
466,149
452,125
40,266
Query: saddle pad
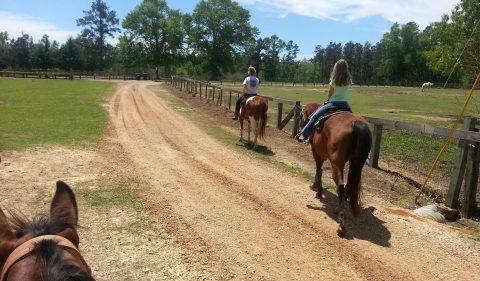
x,y
319,124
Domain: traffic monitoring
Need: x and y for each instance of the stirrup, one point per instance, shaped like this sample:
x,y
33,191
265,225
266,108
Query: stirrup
x,y
300,137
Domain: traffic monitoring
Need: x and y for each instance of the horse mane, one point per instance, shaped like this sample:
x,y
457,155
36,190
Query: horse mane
x,y
39,225
54,268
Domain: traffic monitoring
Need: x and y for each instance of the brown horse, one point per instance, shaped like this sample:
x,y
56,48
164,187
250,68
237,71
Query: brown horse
x,y
45,248
345,137
255,107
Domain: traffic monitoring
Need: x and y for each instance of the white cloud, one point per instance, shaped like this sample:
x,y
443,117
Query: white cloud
x,y
423,12
15,24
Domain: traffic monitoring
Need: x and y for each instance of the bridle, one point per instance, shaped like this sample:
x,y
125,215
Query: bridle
x,y
27,247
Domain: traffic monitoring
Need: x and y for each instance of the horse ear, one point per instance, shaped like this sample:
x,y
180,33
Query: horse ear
x,y
7,238
64,204
5,232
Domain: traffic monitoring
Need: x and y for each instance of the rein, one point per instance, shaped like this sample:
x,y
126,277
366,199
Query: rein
x,y
27,247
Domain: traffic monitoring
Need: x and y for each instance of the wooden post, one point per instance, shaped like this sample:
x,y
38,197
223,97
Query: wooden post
x,y
279,114
220,98
375,150
296,118
471,180
230,100
459,166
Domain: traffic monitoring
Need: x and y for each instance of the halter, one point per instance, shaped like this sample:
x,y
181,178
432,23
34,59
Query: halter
x,y
27,247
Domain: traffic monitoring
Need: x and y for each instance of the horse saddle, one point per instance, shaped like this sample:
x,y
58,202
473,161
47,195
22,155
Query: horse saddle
x,y
329,113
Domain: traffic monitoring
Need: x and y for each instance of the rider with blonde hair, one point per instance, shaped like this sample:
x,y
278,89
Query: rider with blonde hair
x,y
250,85
340,82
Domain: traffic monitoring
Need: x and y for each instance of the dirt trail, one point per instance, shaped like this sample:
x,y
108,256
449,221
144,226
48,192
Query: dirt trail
x,y
241,219
212,213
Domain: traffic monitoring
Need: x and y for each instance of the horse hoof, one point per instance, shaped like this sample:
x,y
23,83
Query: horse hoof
x,y
320,196
341,231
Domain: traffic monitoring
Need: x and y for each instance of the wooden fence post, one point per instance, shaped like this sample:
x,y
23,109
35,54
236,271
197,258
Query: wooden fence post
x,y
296,118
230,100
471,181
459,166
279,114
375,150
220,98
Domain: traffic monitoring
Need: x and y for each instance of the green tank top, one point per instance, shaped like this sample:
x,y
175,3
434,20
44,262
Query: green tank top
x,y
340,93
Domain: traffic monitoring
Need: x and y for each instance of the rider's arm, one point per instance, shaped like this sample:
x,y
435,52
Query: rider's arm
x,y
330,92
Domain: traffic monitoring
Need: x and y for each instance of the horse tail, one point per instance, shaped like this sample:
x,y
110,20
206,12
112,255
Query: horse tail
x,y
263,121
362,142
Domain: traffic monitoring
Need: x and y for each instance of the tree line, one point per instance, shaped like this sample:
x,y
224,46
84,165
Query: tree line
x,y
217,41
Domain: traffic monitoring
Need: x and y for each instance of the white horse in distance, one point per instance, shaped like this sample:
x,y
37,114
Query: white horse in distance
x,y
427,85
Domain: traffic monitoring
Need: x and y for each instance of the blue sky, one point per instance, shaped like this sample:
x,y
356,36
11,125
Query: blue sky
x,y
307,22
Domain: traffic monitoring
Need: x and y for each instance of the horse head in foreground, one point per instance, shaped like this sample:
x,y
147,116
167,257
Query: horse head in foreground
x,y
345,137
45,248
255,107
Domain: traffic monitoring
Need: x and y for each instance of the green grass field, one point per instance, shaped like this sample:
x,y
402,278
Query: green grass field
x,y
51,112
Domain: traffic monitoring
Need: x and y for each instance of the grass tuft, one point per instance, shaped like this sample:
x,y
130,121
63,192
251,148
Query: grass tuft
x,y
108,194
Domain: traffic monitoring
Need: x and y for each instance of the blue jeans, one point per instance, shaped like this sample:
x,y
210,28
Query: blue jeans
x,y
240,100
307,130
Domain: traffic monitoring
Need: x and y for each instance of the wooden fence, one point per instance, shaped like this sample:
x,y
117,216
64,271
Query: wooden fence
x,y
357,84
74,75
36,74
466,165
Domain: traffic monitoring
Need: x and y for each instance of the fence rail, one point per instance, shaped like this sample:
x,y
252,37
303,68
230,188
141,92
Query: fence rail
x,y
75,75
358,84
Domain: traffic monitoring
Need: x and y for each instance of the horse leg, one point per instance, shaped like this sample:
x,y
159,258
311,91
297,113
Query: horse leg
x,y
317,184
255,133
241,129
337,174
249,129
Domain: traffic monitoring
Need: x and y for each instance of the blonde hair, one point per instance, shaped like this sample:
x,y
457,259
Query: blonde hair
x,y
341,74
251,70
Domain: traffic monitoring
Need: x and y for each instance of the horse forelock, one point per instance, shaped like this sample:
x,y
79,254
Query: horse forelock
x,y
51,259
53,265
